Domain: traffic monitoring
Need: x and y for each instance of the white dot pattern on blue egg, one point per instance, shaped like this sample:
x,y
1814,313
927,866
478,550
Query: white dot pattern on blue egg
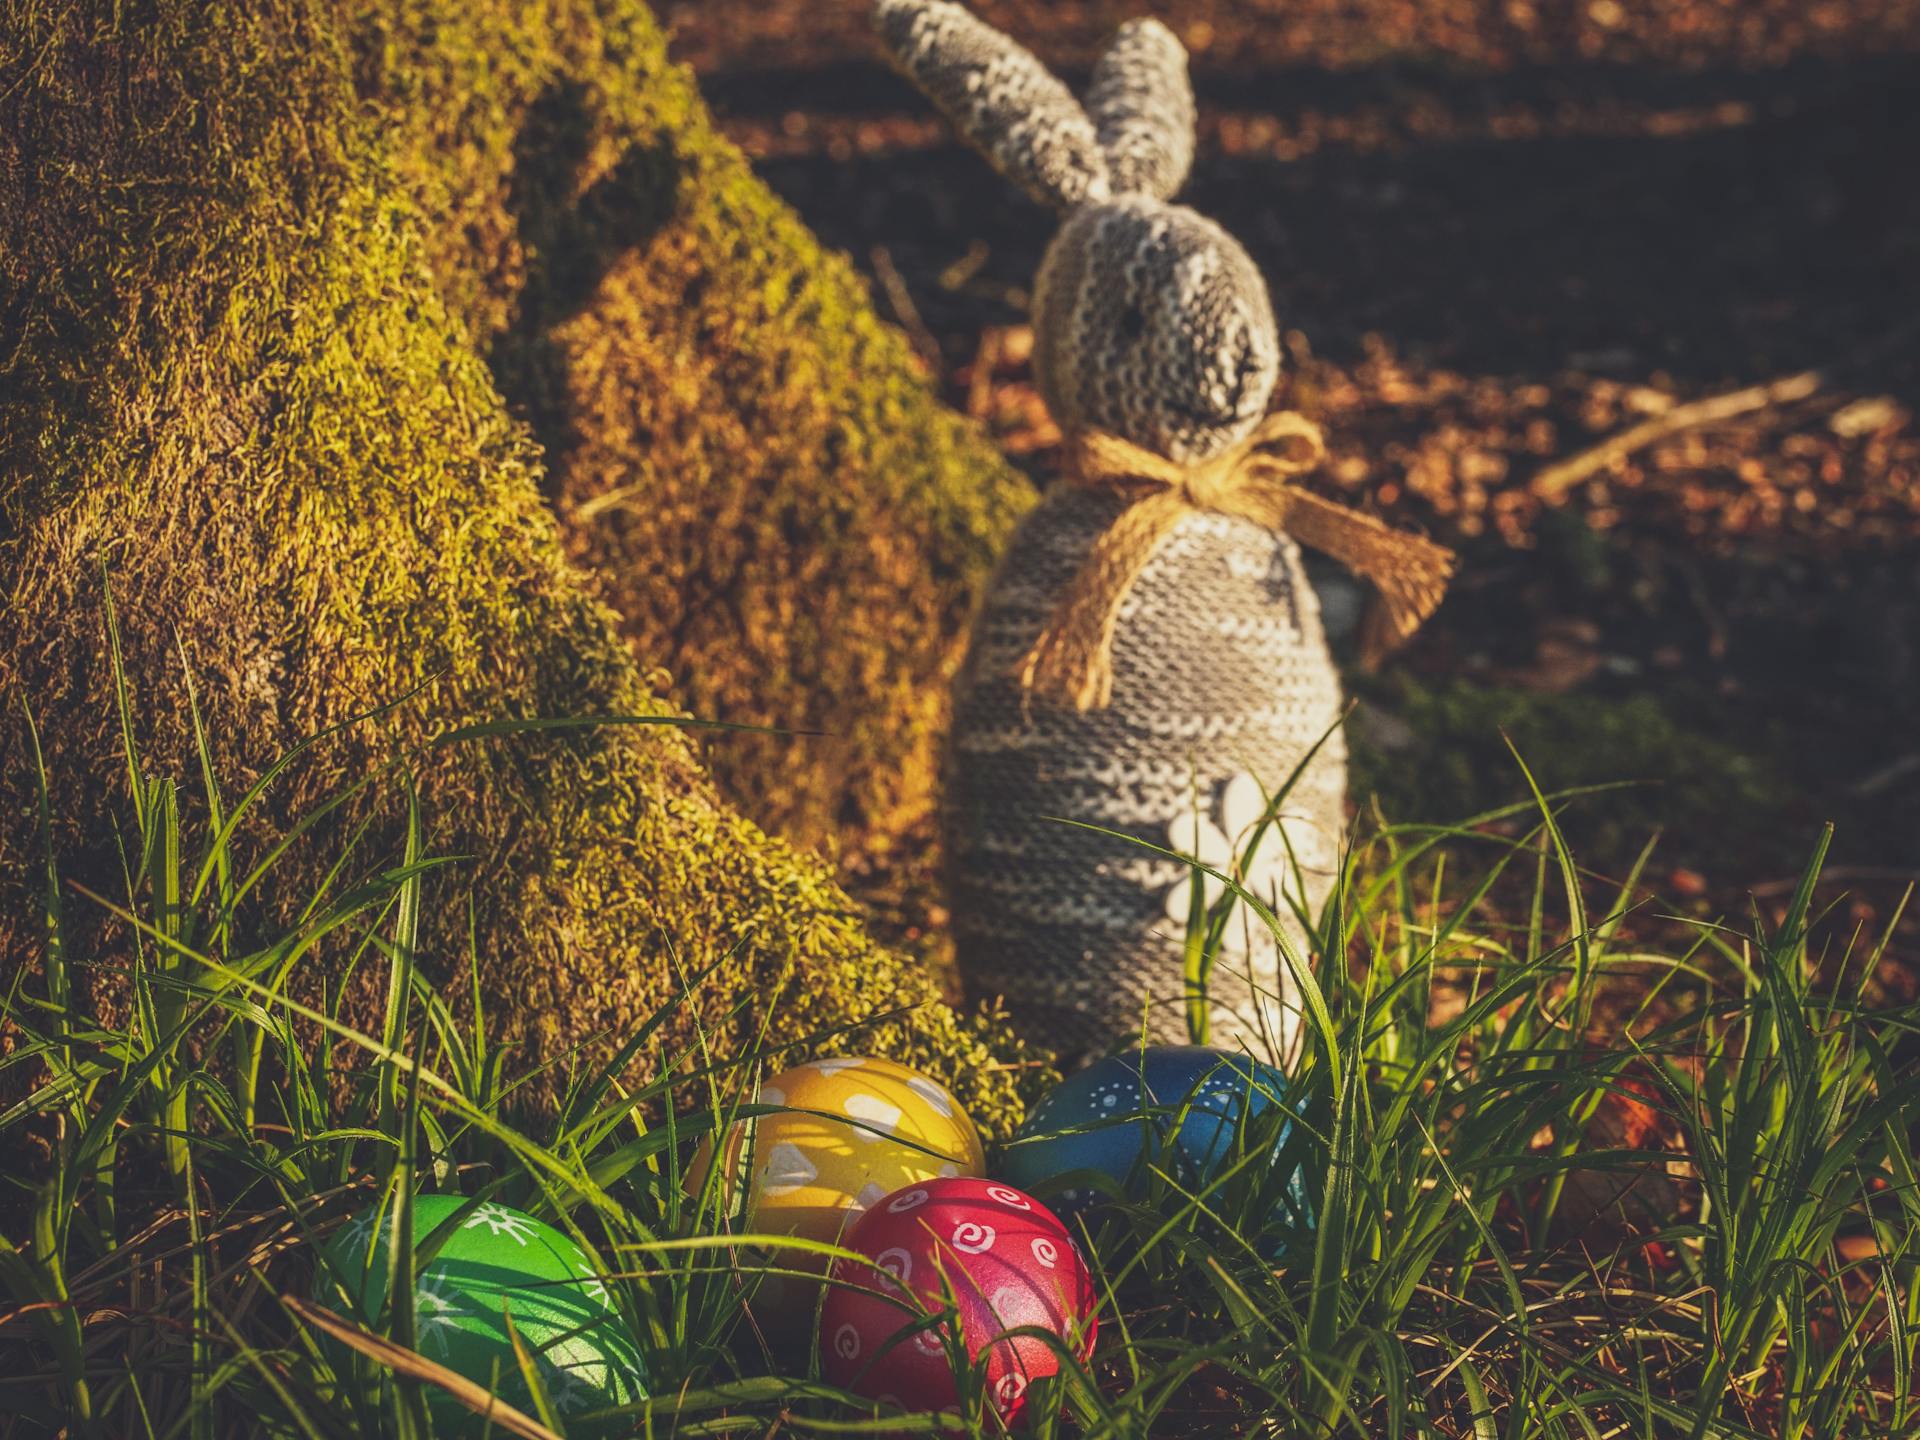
x,y
1119,1115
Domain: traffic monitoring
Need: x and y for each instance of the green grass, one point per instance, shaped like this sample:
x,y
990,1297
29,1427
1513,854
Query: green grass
x,y
1490,1258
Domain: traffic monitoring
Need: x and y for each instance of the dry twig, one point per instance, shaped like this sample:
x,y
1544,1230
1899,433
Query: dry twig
x,y
1553,481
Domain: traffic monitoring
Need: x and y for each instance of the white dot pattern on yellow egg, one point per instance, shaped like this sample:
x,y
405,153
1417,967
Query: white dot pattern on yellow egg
x,y
787,1169
934,1094
874,1111
844,1133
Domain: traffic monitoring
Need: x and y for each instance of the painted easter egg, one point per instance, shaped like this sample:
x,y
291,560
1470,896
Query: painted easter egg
x,y
1004,1259
494,1262
1119,1115
875,1126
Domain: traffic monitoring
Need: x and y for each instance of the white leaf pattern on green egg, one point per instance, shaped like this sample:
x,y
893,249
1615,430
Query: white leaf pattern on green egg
x,y
499,1220
437,1314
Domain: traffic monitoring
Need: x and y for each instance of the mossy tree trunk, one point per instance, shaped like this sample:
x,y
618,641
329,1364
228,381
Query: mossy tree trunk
x,y
781,512
254,264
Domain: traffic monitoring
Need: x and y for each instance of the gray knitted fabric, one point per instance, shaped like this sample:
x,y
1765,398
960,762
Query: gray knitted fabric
x,y
1142,105
1220,670
1152,324
1000,97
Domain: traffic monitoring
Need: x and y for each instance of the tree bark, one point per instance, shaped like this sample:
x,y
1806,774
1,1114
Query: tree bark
x,y
265,273
781,512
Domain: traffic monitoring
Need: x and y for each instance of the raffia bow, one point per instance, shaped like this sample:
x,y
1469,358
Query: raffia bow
x,y
1072,661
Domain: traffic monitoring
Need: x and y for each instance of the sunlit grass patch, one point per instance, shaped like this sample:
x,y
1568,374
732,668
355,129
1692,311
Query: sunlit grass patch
x,y
1559,1185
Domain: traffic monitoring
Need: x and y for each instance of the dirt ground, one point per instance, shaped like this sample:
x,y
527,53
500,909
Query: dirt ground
x,y
1498,234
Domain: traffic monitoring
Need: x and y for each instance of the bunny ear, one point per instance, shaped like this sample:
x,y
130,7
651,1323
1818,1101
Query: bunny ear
x,y
1001,98
1142,103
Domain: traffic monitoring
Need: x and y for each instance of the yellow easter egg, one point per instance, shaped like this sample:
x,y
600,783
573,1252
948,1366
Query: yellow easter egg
x,y
878,1126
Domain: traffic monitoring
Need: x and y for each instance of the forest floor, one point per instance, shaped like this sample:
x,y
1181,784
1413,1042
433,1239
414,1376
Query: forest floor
x,y
1498,235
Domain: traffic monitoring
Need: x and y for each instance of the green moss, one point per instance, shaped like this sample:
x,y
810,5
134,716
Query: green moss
x,y
781,512
1436,753
249,383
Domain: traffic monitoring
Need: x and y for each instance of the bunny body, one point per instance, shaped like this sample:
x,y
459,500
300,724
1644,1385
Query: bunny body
x,y
1154,326
1220,671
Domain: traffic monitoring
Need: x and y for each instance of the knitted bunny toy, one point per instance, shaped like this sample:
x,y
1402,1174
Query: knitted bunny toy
x,y
1150,666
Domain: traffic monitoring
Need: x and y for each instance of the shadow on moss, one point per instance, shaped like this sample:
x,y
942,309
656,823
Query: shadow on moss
x,y
571,237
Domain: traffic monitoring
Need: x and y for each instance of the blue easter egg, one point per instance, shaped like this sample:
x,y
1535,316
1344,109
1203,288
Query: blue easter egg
x,y
1114,1117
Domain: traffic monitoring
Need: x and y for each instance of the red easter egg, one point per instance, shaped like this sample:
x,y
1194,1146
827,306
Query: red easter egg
x,y
1006,1260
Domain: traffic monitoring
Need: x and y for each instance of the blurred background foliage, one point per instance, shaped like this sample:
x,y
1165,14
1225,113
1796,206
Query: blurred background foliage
x,y
1500,233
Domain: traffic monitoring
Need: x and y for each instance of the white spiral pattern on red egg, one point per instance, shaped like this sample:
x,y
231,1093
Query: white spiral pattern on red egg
x,y
897,1263
1006,1304
958,1233
970,1237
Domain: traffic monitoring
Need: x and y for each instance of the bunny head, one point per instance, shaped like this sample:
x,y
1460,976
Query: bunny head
x,y
1150,321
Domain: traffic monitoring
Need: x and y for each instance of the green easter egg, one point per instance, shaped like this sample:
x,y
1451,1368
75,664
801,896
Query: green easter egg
x,y
498,1262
